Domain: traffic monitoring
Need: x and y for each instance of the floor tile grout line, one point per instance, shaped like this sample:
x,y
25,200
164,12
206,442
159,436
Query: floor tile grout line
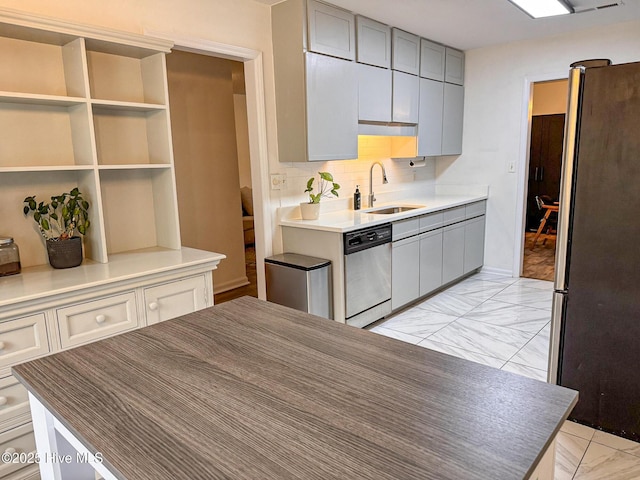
x,y
468,351
581,459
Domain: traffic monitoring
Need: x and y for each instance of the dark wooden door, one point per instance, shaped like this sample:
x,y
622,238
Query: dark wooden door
x,y
545,163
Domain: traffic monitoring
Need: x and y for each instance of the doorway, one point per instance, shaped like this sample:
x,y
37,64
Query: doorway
x,y
212,165
549,101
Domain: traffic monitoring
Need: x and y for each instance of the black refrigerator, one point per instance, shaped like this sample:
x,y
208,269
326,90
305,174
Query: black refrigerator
x,y
595,329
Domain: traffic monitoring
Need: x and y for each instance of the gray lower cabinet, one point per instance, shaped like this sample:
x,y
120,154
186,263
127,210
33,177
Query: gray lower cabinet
x,y
474,243
406,95
430,261
374,94
332,108
453,252
430,118
405,271
452,118
423,262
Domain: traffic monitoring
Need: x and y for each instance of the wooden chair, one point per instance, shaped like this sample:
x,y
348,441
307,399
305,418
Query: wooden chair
x,y
548,208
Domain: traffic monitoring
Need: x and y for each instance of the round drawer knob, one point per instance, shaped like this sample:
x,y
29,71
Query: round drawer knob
x,y
10,451
100,318
153,306
3,401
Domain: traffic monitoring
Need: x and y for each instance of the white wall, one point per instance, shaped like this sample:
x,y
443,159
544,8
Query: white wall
x,y
493,123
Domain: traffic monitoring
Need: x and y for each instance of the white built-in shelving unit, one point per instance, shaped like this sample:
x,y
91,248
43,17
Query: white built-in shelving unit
x,y
88,108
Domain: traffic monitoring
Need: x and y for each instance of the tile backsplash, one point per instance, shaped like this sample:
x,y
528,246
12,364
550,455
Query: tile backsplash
x,y
349,173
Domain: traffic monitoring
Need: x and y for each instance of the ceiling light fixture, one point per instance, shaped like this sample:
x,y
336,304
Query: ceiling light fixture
x,y
543,8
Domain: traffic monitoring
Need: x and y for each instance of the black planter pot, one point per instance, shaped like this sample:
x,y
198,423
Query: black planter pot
x,y
65,253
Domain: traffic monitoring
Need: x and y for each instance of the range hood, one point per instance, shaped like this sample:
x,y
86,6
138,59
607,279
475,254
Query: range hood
x,y
390,129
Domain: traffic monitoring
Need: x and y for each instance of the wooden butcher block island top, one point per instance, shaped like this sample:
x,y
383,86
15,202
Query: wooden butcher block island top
x,y
253,390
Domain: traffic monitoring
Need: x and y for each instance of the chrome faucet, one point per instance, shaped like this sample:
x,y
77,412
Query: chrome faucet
x,y
371,196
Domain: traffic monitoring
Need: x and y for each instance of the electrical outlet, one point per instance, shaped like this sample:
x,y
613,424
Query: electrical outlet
x,y
512,167
278,181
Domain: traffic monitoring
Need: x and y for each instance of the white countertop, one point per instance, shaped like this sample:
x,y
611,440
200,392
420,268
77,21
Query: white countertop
x,y
44,281
347,220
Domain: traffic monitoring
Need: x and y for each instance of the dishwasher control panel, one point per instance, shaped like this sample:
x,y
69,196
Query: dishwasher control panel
x,y
366,238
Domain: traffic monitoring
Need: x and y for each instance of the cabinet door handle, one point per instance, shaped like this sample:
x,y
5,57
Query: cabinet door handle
x,y
100,318
10,451
1,345
3,401
541,174
153,306
535,175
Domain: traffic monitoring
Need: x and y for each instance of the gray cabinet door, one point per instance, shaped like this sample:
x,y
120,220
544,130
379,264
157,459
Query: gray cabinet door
x,y
332,108
454,66
374,93
405,272
432,58
452,119
430,261
430,118
406,95
405,48
331,30
452,252
373,41
473,243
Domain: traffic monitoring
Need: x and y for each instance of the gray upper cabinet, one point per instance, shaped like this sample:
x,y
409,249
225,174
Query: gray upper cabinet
x,y
331,30
430,118
332,108
406,95
373,40
454,66
316,94
452,118
432,58
405,56
374,93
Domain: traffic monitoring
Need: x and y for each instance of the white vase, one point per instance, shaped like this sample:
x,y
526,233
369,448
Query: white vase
x,y
310,211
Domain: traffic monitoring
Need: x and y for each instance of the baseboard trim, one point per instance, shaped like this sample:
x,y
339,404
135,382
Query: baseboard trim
x,y
497,271
230,285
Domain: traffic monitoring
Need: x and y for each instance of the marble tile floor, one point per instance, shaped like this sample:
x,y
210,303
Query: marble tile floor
x,y
504,322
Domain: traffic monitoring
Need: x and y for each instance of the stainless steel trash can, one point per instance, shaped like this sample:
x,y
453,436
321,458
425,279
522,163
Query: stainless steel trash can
x,y
300,282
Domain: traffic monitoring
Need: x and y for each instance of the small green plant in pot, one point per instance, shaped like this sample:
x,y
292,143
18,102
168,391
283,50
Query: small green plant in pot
x,y
58,221
326,188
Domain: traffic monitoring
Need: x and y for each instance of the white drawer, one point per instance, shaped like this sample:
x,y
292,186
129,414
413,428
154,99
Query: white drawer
x,y
18,440
405,228
23,339
475,209
453,215
174,299
431,221
14,400
89,321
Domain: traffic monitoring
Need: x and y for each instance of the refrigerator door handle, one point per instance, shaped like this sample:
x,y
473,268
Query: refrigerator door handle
x,y
557,310
567,178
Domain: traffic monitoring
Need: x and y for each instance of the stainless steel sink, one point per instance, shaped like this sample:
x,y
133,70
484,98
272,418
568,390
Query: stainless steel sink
x,y
393,209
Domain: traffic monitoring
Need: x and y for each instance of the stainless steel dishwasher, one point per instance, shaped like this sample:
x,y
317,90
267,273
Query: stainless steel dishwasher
x,y
367,272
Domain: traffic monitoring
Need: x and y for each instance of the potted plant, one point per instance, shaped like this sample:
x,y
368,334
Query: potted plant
x,y
58,221
326,187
